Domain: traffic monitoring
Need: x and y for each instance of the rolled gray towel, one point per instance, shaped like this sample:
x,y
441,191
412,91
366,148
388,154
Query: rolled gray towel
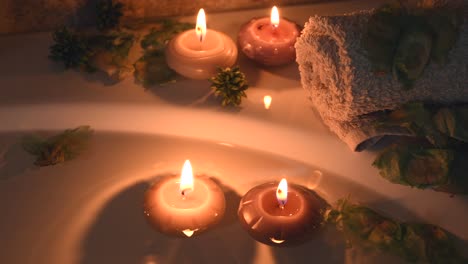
x,y
343,87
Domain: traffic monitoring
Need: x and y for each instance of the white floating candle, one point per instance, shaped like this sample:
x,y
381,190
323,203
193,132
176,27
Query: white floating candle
x,y
198,52
184,206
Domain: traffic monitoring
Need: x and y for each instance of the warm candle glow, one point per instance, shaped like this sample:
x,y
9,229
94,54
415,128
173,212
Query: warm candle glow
x,y
282,192
267,101
276,241
200,28
188,232
274,16
186,178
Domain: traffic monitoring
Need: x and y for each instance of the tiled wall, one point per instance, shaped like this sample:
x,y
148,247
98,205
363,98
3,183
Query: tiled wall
x,y
39,15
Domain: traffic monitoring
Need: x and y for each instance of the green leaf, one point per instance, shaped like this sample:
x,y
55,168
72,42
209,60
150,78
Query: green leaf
x,y
440,165
416,167
33,144
403,41
381,38
158,37
71,48
412,55
446,26
386,234
453,122
458,182
414,246
417,119
59,148
120,44
431,244
108,13
414,242
112,53
391,164
152,69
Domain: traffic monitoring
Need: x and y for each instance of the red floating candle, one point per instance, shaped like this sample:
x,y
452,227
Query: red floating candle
x,y
269,41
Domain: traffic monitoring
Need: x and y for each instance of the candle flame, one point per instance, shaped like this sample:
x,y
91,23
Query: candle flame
x,y
186,178
200,28
267,101
282,192
274,17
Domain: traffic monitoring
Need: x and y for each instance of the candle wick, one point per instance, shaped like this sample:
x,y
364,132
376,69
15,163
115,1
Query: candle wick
x,y
184,192
275,27
281,205
199,31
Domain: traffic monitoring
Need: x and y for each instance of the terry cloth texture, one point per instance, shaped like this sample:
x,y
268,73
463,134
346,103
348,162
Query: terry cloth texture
x,y
345,90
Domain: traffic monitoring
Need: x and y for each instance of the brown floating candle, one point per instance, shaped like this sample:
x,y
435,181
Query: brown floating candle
x,y
279,215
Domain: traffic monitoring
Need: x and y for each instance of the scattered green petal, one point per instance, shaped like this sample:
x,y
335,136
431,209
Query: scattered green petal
x,y
33,144
440,163
108,13
414,242
158,37
112,53
453,122
380,41
72,49
416,167
59,148
417,119
412,55
152,69
446,27
403,40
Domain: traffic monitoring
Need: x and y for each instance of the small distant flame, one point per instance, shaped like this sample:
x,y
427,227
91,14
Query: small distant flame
x,y
267,101
186,178
274,17
200,28
282,192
